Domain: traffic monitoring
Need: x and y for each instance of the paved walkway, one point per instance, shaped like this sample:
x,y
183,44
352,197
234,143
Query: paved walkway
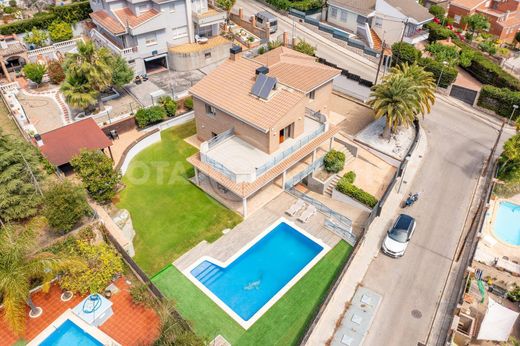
x,y
142,92
113,229
367,251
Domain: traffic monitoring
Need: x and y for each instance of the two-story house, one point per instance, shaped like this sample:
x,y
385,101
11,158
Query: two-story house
x,y
503,15
258,118
380,20
142,31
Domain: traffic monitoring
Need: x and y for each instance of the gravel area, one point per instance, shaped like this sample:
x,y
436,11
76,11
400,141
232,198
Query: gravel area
x,y
396,147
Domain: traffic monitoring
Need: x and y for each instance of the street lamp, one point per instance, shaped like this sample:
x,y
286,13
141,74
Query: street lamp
x,y
444,64
515,107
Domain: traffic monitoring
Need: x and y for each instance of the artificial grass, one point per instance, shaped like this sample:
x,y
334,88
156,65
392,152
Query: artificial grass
x,y
170,214
283,324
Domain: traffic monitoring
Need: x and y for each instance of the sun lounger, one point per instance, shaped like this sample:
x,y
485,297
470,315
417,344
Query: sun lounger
x,y
295,208
307,214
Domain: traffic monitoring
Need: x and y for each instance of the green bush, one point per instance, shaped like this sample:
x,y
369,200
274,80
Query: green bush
x,y
35,72
403,52
334,161
305,48
103,262
302,5
151,115
141,296
489,47
188,103
346,187
499,100
487,71
60,31
71,13
449,73
438,32
438,12
514,294
64,204
169,105
350,176
55,72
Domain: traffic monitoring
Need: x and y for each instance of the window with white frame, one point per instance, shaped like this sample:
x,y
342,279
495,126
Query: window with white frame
x,y
141,8
333,12
378,23
344,16
210,110
150,39
180,32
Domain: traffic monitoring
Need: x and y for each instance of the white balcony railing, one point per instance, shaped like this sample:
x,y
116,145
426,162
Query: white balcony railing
x,y
127,53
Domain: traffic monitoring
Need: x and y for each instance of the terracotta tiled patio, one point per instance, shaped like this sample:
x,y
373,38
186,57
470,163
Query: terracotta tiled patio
x,y
129,325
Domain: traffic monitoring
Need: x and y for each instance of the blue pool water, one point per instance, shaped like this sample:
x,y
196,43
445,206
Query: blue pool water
x,y
252,279
507,223
70,334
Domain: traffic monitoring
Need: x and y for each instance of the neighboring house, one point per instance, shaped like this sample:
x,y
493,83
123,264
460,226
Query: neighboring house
x,y
143,31
442,3
503,15
13,55
380,20
257,118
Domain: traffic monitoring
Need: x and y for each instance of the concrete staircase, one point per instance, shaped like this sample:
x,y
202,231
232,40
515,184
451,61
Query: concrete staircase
x,y
377,41
348,159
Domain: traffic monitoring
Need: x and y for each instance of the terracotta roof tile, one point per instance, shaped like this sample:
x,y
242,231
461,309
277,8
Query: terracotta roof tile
x,y
126,16
467,4
62,144
108,22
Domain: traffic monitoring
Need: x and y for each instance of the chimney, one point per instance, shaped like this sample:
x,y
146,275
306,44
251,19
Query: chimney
x,y
253,21
240,13
234,53
39,140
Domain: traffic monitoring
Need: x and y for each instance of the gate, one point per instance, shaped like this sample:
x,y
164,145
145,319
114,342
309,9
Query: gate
x,y
464,94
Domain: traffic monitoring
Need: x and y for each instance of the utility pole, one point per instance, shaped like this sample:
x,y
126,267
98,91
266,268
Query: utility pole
x,y
33,178
380,61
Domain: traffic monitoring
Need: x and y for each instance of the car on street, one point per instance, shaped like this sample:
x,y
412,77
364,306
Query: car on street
x,y
398,237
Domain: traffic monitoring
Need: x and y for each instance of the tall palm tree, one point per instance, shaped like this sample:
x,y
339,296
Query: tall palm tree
x,y
91,65
20,263
78,93
404,94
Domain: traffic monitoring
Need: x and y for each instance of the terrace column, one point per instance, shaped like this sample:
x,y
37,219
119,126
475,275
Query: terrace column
x,y
284,179
196,176
313,155
4,70
244,206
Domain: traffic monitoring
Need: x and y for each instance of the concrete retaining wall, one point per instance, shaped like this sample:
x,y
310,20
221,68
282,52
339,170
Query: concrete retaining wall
x,y
195,60
338,196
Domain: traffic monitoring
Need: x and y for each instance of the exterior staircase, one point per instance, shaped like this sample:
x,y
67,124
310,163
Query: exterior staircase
x,y
377,41
348,159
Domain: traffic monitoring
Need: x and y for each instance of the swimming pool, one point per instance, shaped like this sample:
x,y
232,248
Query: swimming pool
x,y
70,334
258,275
507,223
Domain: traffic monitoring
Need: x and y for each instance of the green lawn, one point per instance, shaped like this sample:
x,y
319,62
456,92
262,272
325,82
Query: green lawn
x,y
170,214
283,324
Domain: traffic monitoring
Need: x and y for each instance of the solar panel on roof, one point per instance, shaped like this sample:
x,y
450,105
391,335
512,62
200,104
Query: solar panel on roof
x,y
259,83
267,87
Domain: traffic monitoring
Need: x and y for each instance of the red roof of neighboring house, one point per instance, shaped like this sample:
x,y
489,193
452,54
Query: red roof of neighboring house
x,y
127,17
62,144
104,19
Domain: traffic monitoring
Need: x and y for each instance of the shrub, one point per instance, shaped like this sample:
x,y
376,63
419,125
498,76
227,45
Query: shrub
x,y
350,176
274,44
487,71
97,174
403,52
141,296
103,263
60,31
71,13
151,115
36,37
514,294
122,73
438,12
449,73
170,106
442,52
499,100
346,187
55,72
305,48
64,204
489,47
334,161
261,50
438,32
188,103
35,72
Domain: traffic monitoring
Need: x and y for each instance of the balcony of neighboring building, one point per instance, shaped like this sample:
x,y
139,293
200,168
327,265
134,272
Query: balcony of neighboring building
x,y
242,162
106,41
414,34
208,16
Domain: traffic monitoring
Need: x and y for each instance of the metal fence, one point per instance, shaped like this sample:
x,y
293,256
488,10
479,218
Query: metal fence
x,y
293,148
218,166
220,137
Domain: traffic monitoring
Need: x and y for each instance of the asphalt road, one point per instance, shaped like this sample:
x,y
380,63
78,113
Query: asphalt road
x,y
324,48
458,145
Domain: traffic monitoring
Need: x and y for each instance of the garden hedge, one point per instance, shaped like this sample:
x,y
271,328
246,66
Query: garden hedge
x,y
487,71
346,187
438,32
405,52
72,13
499,100
303,5
449,73
151,115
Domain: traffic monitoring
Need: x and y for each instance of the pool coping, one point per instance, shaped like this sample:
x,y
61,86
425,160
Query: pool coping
x,y
243,323
95,332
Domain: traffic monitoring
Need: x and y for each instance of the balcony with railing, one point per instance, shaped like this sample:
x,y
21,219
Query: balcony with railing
x,y
99,38
209,16
242,162
414,34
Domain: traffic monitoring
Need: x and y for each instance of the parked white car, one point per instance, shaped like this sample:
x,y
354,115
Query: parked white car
x,y
398,237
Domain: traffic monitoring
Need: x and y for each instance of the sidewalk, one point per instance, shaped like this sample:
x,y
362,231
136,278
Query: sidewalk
x,y
369,248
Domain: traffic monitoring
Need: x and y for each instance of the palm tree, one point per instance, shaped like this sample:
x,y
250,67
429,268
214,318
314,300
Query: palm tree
x,y
78,93
91,65
20,263
405,93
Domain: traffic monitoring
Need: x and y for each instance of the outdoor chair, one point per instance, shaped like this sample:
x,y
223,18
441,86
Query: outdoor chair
x,y
295,208
307,214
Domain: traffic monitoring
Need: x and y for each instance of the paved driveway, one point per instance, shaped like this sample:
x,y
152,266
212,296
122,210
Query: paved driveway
x,y
411,286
